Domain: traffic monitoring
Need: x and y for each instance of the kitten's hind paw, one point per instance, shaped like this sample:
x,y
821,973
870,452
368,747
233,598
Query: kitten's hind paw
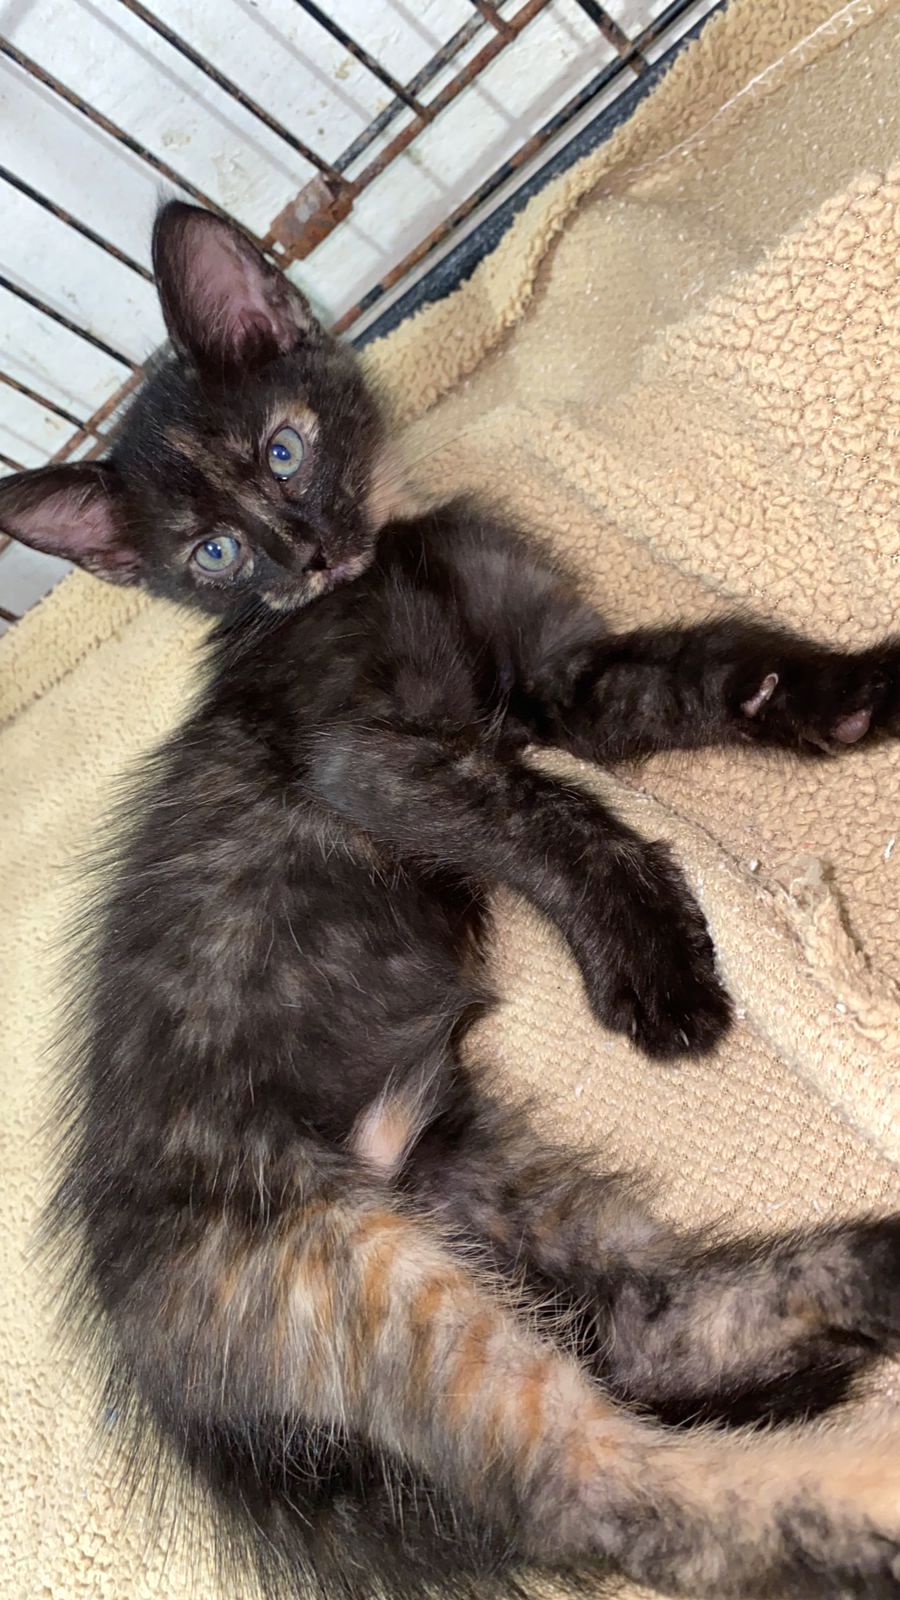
x,y
658,982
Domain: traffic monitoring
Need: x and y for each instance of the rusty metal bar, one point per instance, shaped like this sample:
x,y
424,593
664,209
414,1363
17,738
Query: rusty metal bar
x,y
530,148
472,69
302,225
230,87
423,77
42,401
492,15
613,34
364,58
632,56
13,53
661,23
7,461
73,222
577,103
308,219
7,616
64,322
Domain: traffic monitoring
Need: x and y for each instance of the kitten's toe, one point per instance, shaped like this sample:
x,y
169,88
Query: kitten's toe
x,y
686,1017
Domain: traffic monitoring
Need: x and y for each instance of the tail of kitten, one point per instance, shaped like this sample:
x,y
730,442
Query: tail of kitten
x,y
366,1417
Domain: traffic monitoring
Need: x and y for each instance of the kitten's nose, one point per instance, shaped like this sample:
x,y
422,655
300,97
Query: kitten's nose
x,y
317,561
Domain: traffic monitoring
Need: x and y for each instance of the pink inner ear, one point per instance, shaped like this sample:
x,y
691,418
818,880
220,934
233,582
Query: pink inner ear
x,y
73,518
70,521
238,298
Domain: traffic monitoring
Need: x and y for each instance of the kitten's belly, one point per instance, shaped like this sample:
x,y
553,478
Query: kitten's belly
x,y
372,968
317,973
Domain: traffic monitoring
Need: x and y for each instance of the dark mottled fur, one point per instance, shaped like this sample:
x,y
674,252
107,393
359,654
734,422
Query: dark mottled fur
x,y
314,1256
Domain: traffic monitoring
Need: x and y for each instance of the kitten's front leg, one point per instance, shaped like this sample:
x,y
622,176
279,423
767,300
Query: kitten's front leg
x,y
621,903
567,681
728,682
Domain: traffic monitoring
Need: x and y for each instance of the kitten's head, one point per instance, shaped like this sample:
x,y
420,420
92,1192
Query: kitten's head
x,y
252,463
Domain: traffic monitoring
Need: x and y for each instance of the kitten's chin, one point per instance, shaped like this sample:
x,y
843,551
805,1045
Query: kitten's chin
x,y
317,584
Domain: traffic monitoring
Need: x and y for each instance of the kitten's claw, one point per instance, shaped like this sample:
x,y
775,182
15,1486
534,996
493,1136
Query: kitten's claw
x,y
665,1026
764,692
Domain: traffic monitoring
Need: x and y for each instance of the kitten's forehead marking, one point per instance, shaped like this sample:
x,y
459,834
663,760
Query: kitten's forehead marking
x,y
229,466
222,465
251,501
183,522
238,444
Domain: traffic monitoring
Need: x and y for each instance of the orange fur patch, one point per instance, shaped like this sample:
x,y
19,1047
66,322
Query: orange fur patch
x,y
471,1365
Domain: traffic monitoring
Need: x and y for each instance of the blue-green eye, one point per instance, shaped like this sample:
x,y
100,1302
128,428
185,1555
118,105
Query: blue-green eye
x,y
286,452
217,555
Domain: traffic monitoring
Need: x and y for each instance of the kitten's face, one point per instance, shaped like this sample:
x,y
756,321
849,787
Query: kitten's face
x,y
265,487
251,464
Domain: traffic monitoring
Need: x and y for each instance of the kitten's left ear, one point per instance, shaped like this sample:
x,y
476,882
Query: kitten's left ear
x,y
223,303
74,511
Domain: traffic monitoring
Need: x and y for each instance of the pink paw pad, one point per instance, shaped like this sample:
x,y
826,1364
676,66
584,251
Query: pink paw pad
x,y
850,729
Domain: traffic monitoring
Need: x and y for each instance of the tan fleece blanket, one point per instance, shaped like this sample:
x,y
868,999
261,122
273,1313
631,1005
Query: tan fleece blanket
x,y
683,363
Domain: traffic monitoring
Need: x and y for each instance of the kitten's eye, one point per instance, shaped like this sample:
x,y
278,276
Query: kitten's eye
x,y
217,555
286,452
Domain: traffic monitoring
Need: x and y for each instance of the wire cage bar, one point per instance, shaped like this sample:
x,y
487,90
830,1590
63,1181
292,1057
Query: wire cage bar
x,y
338,180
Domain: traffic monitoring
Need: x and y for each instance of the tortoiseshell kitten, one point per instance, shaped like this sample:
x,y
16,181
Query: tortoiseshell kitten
x,y
312,1246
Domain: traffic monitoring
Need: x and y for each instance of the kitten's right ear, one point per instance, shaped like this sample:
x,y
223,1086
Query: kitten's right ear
x,y
73,511
225,305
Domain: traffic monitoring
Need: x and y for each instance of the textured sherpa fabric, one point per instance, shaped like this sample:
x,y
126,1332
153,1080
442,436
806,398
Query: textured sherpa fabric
x,y
683,366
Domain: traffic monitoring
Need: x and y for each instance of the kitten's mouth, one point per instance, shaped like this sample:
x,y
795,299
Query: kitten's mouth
x,y
342,572
321,581
351,567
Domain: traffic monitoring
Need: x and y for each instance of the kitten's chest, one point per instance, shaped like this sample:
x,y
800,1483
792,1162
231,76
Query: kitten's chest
x,y
399,647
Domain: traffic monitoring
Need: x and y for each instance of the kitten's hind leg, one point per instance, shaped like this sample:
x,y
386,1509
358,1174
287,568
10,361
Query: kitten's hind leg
x,y
347,1314
749,1330
757,1328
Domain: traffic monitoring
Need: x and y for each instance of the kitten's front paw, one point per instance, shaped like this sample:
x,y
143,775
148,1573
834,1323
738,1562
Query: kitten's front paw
x,y
679,1010
824,701
657,983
